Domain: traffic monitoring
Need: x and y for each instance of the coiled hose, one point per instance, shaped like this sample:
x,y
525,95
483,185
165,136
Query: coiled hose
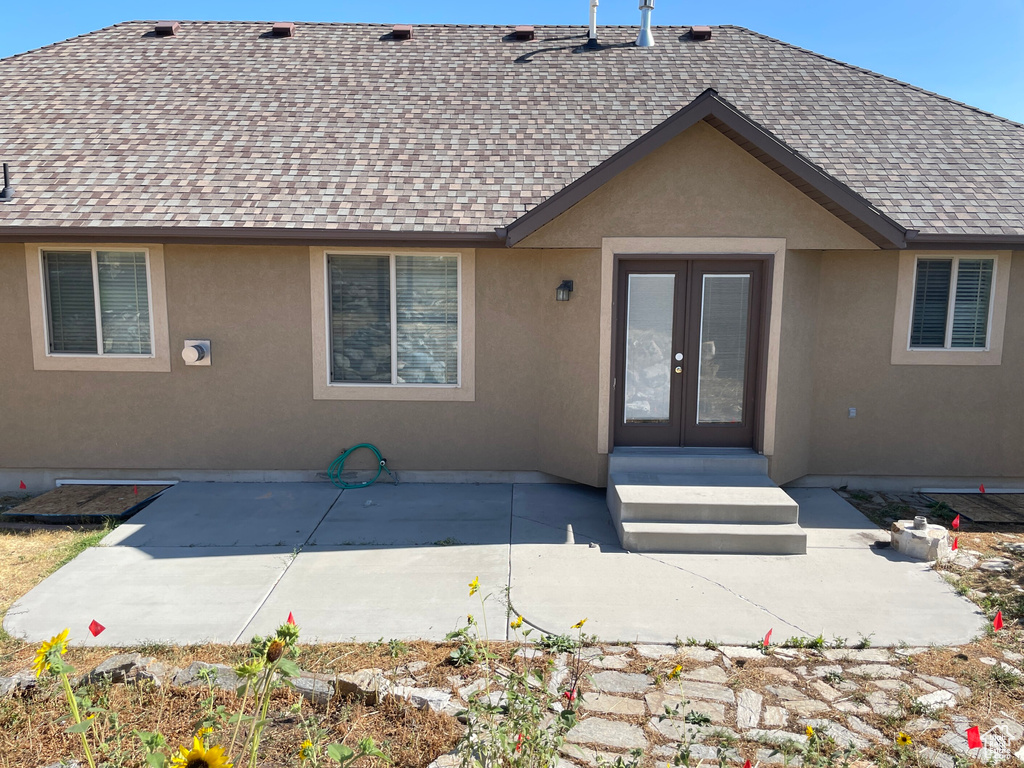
x,y
334,471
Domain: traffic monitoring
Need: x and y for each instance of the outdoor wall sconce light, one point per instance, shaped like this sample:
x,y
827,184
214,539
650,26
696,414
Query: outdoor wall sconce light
x,y
563,290
196,352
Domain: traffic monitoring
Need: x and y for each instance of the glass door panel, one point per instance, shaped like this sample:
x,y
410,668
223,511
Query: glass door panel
x,y
647,379
725,315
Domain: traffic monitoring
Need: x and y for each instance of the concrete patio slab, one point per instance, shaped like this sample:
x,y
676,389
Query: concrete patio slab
x,y
151,594
229,515
369,593
415,514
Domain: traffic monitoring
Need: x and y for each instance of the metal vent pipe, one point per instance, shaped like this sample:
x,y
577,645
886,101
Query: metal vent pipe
x,y
645,39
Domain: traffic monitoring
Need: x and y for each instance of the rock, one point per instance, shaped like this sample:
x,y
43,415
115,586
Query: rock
x,y
842,736
875,671
416,667
775,717
224,677
748,709
807,707
66,764
155,672
786,692
740,652
773,757
7,686
656,651
657,701
857,654
928,543
996,565
707,674
960,691
698,752
826,691
619,650
935,758
612,705
446,761
1013,656
994,747
864,729
621,682
827,670
116,669
694,689
924,685
607,733
988,660
313,689
916,650
890,685
783,674
703,655
558,676
610,662
1009,668
776,737
852,706
1011,729
368,684
589,757
424,698
937,700
923,725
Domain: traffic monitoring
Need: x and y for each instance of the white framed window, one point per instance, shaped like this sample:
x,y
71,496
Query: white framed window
x,y
98,307
97,302
950,308
396,324
952,303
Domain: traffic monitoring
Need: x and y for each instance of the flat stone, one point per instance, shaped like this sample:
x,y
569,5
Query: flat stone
x,y
707,674
693,689
923,725
825,670
857,654
748,709
741,652
890,685
607,733
1013,656
937,700
1010,728
988,660
416,667
843,736
916,650
876,671
807,707
312,689
656,651
621,682
858,725
610,662
960,691
996,565
1010,669
657,701
826,691
697,752
924,685
936,759
993,747
775,717
773,757
7,686
781,673
589,757
116,669
423,698
477,686
224,677
612,705
786,692
617,650
775,737
852,706
698,653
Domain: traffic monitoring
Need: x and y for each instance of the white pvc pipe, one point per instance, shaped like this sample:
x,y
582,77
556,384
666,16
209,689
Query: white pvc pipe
x,y
593,20
116,482
968,491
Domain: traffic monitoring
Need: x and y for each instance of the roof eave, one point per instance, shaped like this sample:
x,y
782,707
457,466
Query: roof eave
x,y
886,232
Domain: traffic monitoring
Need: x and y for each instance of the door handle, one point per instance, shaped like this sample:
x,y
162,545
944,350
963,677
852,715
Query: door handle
x,y
679,369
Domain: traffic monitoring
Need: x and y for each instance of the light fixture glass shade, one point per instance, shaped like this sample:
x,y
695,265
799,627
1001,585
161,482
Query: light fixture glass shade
x,y
563,290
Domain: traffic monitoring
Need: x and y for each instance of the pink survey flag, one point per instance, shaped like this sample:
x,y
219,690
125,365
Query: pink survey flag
x,y
21,484
997,623
135,490
291,619
956,522
981,487
95,627
973,738
767,639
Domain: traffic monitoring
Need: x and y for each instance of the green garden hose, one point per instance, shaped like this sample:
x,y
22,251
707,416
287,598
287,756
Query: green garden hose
x,y
334,471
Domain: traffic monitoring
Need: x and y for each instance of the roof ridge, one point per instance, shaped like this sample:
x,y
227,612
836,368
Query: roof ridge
x,y
871,72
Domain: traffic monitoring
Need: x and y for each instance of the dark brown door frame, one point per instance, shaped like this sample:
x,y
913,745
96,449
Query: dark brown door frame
x,y
767,293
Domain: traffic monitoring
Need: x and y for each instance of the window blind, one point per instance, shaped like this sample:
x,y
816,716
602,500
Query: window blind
x,y
931,303
124,302
72,310
427,304
970,308
360,318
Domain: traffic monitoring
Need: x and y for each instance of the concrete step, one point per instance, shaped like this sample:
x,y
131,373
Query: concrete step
x,y
681,461
699,498
712,538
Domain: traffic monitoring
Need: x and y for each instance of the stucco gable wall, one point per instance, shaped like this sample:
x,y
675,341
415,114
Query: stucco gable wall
x,y
700,184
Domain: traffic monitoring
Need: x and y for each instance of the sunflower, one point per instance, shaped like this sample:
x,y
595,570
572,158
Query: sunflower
x,y
517,622
579,624
675,672
810,732
58,644
275,651
903,740
305,750
474,586
200,757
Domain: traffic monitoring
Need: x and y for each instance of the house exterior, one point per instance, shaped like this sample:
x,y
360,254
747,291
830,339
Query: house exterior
x,y
359,238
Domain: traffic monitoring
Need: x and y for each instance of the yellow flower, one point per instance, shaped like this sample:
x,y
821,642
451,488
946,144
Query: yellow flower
x,y
903,739
675,672
200,757
579,624
517,622
470,619
810,731
306,750
474,586
58,643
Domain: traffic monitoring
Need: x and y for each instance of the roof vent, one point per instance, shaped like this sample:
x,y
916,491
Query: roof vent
x,y
283,29
700,33
401,31
167,28
7,192
645,39
524,33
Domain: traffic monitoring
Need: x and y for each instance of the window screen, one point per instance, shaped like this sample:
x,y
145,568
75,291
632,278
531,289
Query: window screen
x,y
427,298
970,310
72,309
124,302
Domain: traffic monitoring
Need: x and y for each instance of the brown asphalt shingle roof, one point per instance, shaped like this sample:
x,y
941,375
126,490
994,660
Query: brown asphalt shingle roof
x,y
456,130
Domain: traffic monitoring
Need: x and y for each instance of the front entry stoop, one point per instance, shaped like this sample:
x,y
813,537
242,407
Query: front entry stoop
x,y
701,500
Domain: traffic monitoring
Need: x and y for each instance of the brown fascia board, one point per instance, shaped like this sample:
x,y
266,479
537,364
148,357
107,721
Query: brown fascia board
x,y
250,236
939,241
709,104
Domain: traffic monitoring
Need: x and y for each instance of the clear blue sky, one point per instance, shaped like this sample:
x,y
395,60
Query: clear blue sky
x,y
970,51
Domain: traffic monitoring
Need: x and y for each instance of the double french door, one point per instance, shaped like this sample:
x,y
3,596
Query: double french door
x,y
687,358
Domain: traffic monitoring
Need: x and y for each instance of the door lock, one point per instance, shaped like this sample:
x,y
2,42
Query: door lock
x,y
679,369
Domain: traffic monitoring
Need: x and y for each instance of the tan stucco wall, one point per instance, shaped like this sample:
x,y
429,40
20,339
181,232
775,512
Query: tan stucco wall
x,y
253,408
700,184
924,420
